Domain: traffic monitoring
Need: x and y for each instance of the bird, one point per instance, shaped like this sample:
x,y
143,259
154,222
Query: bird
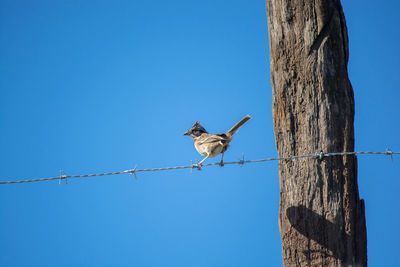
x,y
211,145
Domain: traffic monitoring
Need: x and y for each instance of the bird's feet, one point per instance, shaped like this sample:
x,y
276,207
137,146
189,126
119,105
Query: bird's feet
x,y
199,166
221,164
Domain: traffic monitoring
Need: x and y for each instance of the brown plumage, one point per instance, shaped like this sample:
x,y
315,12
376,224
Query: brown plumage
x,y
211,145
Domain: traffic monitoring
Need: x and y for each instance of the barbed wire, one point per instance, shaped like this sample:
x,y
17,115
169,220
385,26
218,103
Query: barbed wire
x,y
241,162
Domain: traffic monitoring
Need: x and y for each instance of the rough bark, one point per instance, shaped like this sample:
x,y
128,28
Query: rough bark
x,y
321,219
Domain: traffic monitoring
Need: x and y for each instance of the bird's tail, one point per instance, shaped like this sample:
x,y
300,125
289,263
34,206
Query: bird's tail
x,y
234,129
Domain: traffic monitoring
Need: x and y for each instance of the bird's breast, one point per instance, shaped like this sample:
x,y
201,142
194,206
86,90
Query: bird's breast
x,y
202,149
210,149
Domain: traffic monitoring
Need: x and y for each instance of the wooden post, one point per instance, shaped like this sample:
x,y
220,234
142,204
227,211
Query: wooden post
x,y
321,218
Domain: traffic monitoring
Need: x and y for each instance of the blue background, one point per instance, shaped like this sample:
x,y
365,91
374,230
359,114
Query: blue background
x,y
98,86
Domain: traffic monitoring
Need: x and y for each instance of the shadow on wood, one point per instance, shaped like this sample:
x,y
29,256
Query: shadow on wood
x,y
315,227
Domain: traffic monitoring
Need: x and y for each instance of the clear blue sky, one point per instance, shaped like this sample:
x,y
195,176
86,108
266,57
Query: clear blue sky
x,y
96,86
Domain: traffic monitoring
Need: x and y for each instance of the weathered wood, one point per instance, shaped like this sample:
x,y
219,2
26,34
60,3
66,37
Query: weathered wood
x,y
321,219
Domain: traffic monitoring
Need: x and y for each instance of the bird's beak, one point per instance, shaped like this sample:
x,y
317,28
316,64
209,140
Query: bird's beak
x,y
186,133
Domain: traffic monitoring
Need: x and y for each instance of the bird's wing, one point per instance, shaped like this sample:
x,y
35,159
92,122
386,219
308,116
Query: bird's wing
x,y
214,138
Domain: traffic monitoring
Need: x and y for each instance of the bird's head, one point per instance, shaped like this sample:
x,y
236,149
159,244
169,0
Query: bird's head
x,y
196,130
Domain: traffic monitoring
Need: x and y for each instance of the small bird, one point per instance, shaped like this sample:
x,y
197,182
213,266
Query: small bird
x,y
211,145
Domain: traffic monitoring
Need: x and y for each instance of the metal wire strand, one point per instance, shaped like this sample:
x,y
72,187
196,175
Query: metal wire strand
x,y
319,155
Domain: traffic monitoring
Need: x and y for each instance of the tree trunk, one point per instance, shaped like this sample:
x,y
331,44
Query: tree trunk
x,y
321,218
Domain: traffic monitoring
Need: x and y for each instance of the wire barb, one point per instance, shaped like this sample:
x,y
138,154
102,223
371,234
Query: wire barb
x,y
133,171
62,176
241,162
389,152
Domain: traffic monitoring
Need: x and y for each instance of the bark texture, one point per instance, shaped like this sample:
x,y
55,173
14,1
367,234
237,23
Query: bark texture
x,y
321,219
